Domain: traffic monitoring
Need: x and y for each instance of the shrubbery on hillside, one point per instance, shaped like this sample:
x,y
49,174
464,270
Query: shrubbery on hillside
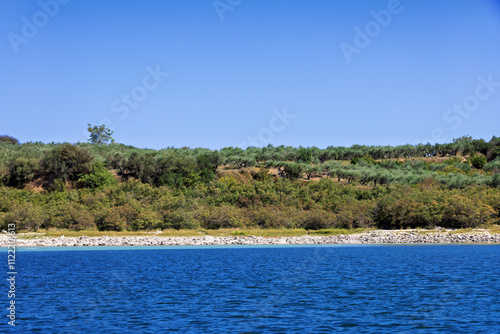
x,y
360,186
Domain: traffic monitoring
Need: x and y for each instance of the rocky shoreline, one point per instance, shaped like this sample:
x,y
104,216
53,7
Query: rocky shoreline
x,y
374,237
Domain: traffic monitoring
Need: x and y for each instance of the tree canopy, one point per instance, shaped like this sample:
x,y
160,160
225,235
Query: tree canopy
x,y
100,134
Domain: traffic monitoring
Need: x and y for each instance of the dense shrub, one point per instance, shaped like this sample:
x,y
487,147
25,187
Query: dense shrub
x,y
403,209
272,217
180,220
67,162
110,220
493,166
147,220
22,170
99,176
70,215
495,181
182,188
317,220
356,214
224,216
477,161
463,212
142,167
25,216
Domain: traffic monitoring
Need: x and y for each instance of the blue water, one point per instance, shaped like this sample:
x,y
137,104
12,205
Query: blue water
x,y
323,289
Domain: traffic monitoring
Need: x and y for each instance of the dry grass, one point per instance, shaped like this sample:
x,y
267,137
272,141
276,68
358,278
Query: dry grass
x,y
494,229
338,231
54,233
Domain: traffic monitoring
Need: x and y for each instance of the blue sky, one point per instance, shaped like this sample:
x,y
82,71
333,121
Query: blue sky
x,y
238,73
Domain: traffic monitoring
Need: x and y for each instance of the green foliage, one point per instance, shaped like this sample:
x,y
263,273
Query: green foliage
x,y
58,185
367,159
225,216
453,161
477,161
209,161
67,162
180,220
9,139
304,155
22,170
464,145
493,166
25,216
142,166
293,171
313,220
100,134
386,187
147,220
110,220
99,176
495,181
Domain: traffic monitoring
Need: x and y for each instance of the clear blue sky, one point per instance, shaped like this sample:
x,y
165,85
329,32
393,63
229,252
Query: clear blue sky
x,y
232,68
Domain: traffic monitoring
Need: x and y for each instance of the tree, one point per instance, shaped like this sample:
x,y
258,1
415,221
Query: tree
x,y
304,155
100,134
9,139
464,144
209,160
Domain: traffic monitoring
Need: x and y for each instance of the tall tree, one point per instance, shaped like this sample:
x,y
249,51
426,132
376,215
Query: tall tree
x,y
100,134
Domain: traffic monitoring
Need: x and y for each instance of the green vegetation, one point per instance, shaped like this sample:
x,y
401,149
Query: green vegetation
x,y
99,187
9,139
100,134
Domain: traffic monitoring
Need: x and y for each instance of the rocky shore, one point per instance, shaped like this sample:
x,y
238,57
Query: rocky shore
x,y
374,237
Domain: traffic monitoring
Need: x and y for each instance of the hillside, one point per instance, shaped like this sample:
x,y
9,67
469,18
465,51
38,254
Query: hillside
x,y
117,187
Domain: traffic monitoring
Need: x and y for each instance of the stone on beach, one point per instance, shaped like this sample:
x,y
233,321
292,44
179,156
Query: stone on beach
x,y
374,237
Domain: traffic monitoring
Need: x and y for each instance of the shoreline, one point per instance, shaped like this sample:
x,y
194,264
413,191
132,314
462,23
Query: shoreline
x,y
374,237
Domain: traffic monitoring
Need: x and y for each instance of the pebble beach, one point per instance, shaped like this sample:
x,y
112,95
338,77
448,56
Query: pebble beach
x,y
374,237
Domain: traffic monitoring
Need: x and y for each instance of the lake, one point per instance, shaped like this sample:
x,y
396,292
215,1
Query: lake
x,y
264,289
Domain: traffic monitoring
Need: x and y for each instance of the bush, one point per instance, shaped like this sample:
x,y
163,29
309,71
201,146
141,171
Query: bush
x,y
147,220
67,162
313,220
180,220
293,171
463,212
26,217
492,166
477,161
110,220
225,216
357,214
22,170
4,174
271,217
408,209
99,177
70,215
142,167
495,181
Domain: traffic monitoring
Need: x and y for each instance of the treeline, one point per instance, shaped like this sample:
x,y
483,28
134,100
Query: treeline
x,y
85,165
115,187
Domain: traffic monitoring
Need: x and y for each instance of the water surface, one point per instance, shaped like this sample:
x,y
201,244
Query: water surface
x,y
263,289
